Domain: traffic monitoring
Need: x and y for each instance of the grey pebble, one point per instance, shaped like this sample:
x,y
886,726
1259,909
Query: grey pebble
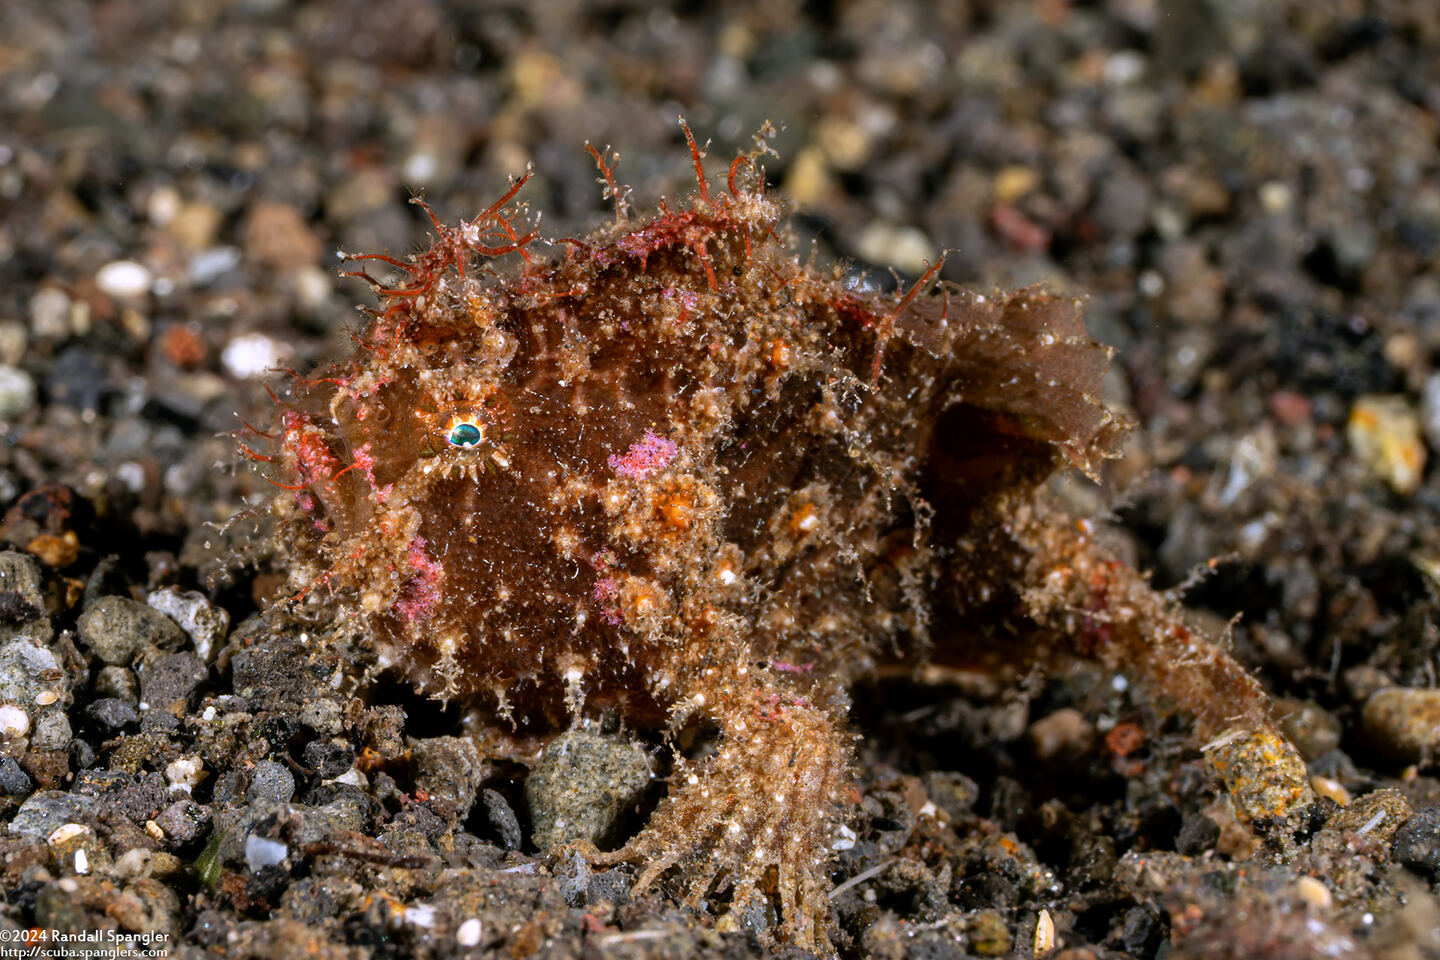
x,y
1377,815
324,716
117,630
346,808
183,820
609,885
52,731
113,715
29,674
952,792
328,758
138,796
1198,833
502,819
118,682
1417,843
270,781
581,787
449,767
14,782
170,682
20,597
206,624
43,812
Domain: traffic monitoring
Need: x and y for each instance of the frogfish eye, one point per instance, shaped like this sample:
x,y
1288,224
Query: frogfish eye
x,y
464,433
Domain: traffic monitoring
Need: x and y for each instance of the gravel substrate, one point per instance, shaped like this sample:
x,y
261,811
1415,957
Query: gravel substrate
x,y
1247,194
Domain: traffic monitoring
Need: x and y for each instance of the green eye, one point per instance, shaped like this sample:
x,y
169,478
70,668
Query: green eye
x,y
464,434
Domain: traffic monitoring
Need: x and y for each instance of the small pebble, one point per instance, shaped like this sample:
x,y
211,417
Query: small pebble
x,y
50,314
14,721
952,792
904,248
17,392
206,623
581,785
1404,722
1417,843
52,731
1198,833
1376,816
328,758
169,683
469,933
1065,732
47,810
502,819
448,767
14,781
207,266
1312,728
1384,431
183,820
124,279
252,355
119,682
112,715
1314,893
270,781
184,773
261,853
117,629
28,672
1264,774
1430,409
989,934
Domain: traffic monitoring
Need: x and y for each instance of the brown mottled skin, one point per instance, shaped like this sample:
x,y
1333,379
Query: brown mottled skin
x,y
672,470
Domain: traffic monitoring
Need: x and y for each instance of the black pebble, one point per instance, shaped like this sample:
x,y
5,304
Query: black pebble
x,y
1417,842
1198,833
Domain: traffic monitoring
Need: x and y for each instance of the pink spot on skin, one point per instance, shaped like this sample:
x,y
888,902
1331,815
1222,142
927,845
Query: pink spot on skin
x,y
313,458
645,456
605,591
421,592
786,667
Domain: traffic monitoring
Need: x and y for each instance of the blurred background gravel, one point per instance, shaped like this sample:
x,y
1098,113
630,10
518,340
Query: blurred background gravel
x,y
1247,192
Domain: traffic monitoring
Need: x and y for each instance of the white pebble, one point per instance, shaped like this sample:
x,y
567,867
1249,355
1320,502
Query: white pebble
x,y
260,852
419,168
14,721
251,355
419,915
184,773
124,279
17,392
469,933
353,777
50,313
66,831
312,286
